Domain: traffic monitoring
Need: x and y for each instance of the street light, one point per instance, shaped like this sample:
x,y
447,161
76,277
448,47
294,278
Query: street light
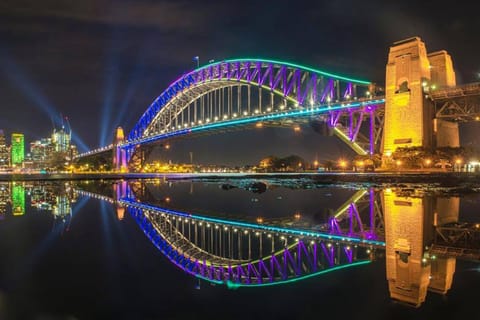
x,y
197,59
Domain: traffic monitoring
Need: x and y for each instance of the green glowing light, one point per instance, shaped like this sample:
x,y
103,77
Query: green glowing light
x,y
289,64
18,148
18,200
234,285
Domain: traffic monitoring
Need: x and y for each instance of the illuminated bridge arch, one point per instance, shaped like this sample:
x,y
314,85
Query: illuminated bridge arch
x,y
245,254
251,91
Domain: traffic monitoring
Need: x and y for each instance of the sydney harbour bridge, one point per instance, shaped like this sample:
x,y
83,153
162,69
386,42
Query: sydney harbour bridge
x,y
421,105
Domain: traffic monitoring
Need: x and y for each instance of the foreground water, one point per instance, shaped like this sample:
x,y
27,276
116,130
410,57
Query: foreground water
x,y
275,248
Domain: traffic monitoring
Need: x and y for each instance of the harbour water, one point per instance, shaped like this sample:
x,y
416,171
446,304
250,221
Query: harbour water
x,y
235,248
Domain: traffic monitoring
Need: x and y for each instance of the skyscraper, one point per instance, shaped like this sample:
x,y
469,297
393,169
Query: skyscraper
x,y
41,152
61,140
4,151
18,149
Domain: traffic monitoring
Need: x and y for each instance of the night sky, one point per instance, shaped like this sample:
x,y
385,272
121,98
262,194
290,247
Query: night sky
x,y
101,63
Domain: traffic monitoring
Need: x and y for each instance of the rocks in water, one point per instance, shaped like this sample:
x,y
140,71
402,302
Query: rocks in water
x,y
227,186
257,187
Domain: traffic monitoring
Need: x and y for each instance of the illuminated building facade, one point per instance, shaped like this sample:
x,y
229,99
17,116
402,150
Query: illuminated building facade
x,y
18,149
4,151
41,152
61,140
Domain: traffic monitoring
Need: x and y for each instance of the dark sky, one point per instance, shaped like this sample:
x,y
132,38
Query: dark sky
x,y
101,63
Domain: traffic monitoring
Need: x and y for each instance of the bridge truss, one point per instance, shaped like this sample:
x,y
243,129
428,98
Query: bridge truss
x,y
244,92
460,103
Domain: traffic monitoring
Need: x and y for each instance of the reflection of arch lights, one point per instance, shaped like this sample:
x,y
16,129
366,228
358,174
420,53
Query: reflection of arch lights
x,y
281,267
234,285
298,232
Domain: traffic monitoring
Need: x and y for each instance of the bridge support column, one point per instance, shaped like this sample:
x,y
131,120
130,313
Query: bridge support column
x,y
408,119
119,154
409,116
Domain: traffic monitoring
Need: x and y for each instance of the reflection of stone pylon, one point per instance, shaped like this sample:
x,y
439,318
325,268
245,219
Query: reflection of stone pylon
x,y
120,192
407,269
409,224
443,268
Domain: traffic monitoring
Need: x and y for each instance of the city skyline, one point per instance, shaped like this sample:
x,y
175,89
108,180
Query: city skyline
x,y
121,63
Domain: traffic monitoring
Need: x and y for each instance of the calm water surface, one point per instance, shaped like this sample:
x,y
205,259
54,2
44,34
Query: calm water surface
x,y
145,250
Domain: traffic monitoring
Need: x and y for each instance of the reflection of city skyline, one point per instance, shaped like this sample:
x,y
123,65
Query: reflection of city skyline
x,y
54,197
419,258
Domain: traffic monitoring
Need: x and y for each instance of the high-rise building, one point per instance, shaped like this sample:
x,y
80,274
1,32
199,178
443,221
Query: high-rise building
x,y
41,152
18,149
4,151
61,140
73,151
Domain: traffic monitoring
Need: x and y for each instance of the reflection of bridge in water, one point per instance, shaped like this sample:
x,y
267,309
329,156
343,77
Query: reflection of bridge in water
x,y
419,234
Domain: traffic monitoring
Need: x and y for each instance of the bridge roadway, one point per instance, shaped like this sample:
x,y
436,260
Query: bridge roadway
x,y
270,117
273,117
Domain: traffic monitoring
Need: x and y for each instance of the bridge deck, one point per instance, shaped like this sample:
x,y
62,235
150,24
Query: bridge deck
x,y
470,89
